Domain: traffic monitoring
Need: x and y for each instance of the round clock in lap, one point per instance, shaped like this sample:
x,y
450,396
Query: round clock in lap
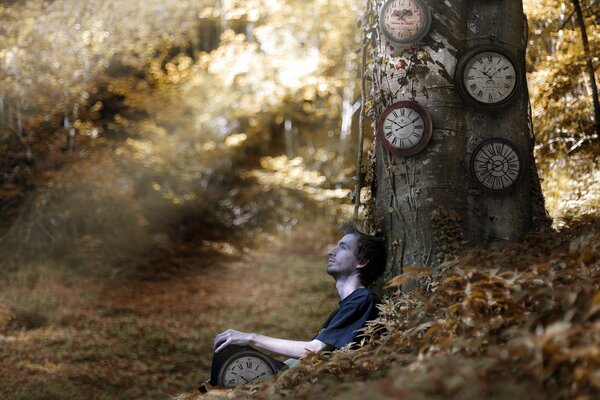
x,y
487,77
241,365
405,128
405,22
496,165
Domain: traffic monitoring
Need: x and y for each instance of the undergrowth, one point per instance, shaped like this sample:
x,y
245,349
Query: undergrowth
x,y
514,322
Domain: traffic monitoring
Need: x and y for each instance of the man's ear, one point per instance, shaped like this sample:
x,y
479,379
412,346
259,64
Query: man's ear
x,y
361,265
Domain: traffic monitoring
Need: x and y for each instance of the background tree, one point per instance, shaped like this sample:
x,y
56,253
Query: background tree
x,y
560,76
589,63
562,101
428,204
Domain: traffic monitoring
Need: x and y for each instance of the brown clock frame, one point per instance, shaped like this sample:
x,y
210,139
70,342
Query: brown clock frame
x,y
464,61
417,38
427,128
522,161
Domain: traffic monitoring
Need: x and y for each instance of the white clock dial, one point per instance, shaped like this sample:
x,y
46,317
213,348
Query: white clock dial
x,y
405,21
489,77
403,128
244,369
496,165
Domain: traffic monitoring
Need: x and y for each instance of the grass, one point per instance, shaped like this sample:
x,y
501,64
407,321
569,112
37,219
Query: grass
x,y
65,337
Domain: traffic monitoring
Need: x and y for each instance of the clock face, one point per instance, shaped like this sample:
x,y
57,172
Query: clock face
x,y
496,165
244,367
489,77
405,128
405,22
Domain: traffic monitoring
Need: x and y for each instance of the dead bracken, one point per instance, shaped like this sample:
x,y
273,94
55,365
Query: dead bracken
x,y
521,320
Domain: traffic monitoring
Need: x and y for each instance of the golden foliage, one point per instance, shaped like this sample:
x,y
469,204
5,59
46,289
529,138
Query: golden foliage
x,y
557,75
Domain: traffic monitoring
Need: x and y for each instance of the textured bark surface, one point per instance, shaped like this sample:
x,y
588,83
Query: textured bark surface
x,y
427,204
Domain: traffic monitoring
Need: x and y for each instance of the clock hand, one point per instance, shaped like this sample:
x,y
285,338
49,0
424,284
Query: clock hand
x,y
411,122
498,70
486,72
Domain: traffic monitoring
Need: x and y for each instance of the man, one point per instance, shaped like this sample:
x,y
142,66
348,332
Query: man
x,y
355,263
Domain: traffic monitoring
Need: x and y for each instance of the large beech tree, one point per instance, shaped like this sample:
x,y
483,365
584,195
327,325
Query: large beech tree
x,y
427,204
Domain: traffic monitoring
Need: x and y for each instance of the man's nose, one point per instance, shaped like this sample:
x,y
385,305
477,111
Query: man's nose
x,y
332,251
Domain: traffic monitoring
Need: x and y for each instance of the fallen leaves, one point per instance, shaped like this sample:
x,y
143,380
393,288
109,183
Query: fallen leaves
x,y
518,321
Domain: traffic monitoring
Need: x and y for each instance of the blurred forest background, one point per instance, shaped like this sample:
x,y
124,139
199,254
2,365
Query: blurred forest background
x,y
166,165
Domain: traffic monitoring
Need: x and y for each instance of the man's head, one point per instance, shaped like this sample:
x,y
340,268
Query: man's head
x,y
357,251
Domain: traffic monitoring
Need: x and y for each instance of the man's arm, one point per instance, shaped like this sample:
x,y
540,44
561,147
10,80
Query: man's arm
x,y
288,348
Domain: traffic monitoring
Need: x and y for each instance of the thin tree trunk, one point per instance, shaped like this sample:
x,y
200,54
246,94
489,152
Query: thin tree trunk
x,y
590,67
361,126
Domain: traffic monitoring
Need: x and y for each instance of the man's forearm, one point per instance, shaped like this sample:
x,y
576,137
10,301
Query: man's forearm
x,y
288,348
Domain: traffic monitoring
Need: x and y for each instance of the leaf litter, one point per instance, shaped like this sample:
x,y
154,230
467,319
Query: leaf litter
x,y
520,320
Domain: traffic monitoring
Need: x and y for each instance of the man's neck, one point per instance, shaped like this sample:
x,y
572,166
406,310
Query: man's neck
x,y
347,285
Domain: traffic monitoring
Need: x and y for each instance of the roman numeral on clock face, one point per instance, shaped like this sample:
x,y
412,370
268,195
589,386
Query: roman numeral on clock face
x,y
405,128
496,165
249,368
488,77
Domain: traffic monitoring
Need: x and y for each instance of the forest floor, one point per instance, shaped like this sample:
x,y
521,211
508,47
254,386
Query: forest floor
x,y
521,320
74,338
517,321
150,337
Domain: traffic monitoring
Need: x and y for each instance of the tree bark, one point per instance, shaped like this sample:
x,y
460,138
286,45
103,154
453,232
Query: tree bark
x,y
427,205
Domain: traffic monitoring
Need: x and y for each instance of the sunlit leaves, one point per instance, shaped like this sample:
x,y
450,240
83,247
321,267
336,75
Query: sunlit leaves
x,y
561,100
293,174
572,186
47,47
559,83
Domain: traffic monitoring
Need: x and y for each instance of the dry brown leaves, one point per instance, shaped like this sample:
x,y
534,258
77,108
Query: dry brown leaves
x,y
523,319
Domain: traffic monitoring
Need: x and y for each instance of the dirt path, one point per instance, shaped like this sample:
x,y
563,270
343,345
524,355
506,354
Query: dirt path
x,y
152,339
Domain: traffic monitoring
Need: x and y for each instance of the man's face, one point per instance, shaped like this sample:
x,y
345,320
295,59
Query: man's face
x,y
342,259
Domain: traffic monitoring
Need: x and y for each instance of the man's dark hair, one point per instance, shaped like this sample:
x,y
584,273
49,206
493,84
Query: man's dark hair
x,y
370,251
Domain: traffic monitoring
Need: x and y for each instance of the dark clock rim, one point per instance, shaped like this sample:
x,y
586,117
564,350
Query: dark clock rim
x,y
243,353
417,38
519,154
427,131
464,61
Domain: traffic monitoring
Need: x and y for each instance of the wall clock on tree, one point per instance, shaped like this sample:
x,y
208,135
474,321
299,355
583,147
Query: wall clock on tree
x,y
405,22
487,77
405,128
239,365
496,165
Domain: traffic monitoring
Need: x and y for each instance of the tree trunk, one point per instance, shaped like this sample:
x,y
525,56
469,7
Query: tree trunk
x,y
590,66
427,205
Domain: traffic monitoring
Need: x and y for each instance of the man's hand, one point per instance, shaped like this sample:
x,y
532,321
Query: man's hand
x,y
288,348
231,336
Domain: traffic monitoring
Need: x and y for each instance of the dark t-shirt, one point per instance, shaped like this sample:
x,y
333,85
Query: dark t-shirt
x,y
354,311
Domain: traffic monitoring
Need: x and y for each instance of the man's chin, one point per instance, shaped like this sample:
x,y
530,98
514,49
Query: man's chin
x,y
332,272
